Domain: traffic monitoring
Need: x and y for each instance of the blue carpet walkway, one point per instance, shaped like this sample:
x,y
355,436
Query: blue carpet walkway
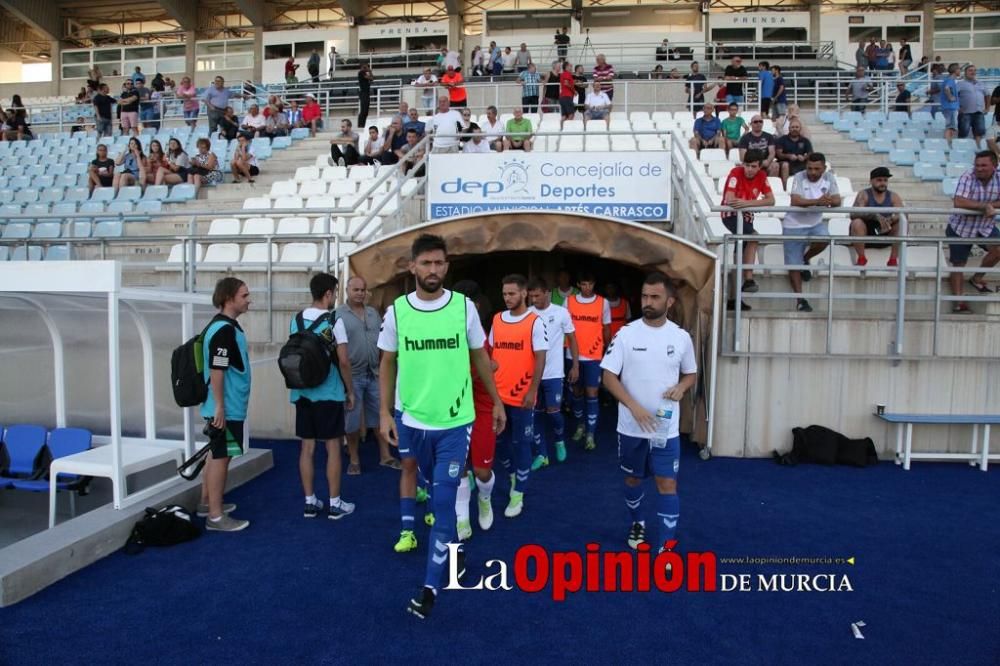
x,y
926,578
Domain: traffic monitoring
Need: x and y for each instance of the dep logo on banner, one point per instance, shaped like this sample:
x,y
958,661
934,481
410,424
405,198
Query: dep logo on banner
x,y
628,186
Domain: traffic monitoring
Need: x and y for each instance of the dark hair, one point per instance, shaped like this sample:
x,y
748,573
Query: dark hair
x,y
986,153
657,277
413,131
516,279
586,276
468,288
538,284
732,104
816,157
766,64
348,121
753,155
427,243
777,67
473,127
226,290
203,142
373,127
322,283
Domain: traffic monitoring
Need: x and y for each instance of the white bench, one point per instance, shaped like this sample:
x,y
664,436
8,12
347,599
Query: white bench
x,y
904,436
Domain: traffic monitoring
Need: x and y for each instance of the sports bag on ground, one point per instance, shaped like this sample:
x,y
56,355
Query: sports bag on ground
x,y
823,446
166,526
305,359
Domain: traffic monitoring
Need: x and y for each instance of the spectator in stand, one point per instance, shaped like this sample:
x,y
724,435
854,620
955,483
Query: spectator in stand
x,y
290,70
509,59
365,78
746,186
244,163
994,131
550,99
758,139
766,79
83,97
477,143
189,97
403,113
903,97
331,59
442,56
496,60
567,93
101,172
905,57
444,127
344,146
792,149
154,160
158,84
657,73
253,123
936,74
94,77
294,114
204,166
519,132
580,80
598,106
175,170
860,56
815,187
453,81
102,111
137,77
733,128
413,122
977,190
858,89
973,100
735,74
781,127
871,51
876,196
779,98
410,154
146,107
277,122
169,85
313,66
891,57
464,127
529,80
562,42
427,82
477,64
721,95
374,147
663,51
494,129
522,59
312,115
128,104
605,74
707,131
229,125
134,165
216,100
882,53
950,102
79,126
393,139
695,88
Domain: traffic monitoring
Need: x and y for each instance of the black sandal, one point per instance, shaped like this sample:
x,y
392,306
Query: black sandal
x,y
980,287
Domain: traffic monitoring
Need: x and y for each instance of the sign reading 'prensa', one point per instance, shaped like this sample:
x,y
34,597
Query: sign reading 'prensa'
x,y
628,186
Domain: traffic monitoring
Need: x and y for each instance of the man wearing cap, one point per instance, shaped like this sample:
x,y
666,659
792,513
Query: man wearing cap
x,y
876,196
312,115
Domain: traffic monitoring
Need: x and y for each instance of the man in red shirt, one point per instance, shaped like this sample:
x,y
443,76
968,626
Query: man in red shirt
x,y
746,187
567,92
312,115
453,81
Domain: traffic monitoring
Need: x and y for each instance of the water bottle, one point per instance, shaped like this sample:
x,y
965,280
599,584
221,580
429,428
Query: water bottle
x,y
664,415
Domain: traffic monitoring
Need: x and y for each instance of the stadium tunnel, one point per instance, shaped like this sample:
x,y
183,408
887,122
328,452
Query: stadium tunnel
x,y
485,247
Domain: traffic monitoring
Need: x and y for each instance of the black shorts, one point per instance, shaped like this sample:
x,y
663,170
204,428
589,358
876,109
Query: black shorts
x,y
795,167
228,442
729,220
460,105
323,419
765,104
106,181
567,105
254,171
874,228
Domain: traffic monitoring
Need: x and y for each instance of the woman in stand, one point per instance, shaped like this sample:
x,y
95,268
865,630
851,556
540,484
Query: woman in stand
x,y
244,162
155,159
134,165
175,170
204,166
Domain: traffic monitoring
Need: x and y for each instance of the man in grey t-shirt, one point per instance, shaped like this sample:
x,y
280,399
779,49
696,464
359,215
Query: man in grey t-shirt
x,y
858,89
362,324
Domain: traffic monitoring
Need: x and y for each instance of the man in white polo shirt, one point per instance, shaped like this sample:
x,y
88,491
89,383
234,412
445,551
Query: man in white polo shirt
x,y
814,188
444,126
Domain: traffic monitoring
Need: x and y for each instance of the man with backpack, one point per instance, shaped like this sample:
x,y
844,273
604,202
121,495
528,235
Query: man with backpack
x,y
319,409
226,370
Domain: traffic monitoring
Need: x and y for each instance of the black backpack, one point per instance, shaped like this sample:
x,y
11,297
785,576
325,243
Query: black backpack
x,y
166,526
187,368
306,358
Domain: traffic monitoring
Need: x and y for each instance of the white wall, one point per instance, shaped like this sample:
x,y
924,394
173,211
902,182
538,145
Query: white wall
x,y
273,71
835,27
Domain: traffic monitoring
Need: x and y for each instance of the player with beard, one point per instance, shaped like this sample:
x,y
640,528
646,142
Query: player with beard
x,y
427,340
592,320
519,343
650,360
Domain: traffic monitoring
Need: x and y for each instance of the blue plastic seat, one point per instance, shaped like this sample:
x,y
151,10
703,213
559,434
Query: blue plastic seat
x,y
120,207
931,155
20,183
303,133
844,124
62,442
36,209
130,193
92,207
955,169
33,253
108,229
47,230
880,144
860,133
964,145
181,193
903,157
149,206
52,194
67,180
16,231
58,253
962,156
64,208
928,170
155,193
103,194
26,196
24,445
76,194
80,229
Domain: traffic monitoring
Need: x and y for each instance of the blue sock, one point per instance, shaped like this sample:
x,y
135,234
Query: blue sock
x,y
407,509
522,456
577,407
592,409
668,510
633,500
444,528
539,447
558,424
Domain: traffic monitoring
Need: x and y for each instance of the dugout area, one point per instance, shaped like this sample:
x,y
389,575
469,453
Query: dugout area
x,y
486,247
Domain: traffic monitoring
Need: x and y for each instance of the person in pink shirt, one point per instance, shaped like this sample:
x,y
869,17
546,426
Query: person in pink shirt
x,y
187,93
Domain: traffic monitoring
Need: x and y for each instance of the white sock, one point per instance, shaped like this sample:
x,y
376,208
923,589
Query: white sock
x,y
486,488
335,501
215,520
462,498
311,499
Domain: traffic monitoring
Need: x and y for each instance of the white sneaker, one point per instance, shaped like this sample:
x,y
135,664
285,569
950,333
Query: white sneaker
x,y
485,513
